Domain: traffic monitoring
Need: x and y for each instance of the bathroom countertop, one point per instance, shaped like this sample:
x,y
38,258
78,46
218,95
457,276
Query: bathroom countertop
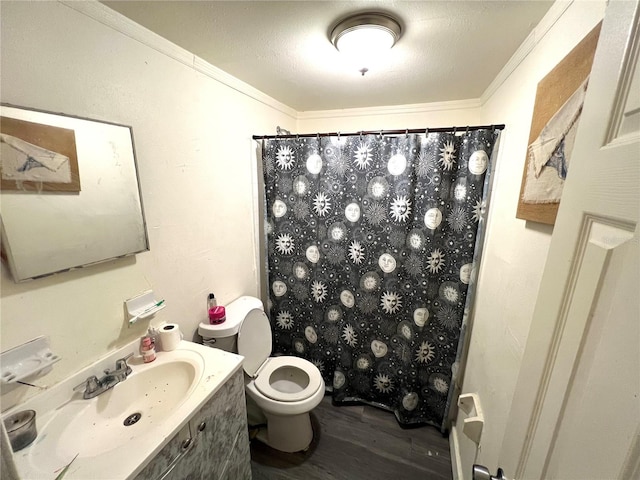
x,y
48,455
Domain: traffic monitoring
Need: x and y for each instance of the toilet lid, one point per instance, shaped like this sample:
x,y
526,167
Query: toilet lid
x,y
264,385
254,340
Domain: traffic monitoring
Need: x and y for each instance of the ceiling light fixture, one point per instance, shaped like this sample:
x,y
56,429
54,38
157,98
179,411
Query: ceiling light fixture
x,y
365,36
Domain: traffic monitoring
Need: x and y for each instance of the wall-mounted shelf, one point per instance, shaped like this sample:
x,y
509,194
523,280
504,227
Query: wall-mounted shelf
x,y
143,306
26,360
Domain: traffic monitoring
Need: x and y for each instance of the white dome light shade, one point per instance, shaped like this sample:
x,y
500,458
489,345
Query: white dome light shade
x,y
366,38
365,35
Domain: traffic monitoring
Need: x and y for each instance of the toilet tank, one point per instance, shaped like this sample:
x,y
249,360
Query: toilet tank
x,y
225,335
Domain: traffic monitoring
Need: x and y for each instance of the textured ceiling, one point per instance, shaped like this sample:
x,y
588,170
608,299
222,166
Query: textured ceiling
x,y
449,50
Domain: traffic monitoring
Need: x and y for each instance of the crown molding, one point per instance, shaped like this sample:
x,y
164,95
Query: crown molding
x,y
391,110
537,34
112,19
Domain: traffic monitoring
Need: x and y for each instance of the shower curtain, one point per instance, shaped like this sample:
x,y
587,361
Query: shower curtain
x,y
372,243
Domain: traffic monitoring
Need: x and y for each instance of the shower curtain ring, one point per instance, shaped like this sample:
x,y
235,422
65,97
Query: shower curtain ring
x,y
455,129
406,133
338,136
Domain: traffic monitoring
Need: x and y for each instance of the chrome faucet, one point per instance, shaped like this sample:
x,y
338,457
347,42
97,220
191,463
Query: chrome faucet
x,y
94,386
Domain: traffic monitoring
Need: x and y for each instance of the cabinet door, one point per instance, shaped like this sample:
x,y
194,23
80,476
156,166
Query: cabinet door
x,y
221,440
213,445
163,464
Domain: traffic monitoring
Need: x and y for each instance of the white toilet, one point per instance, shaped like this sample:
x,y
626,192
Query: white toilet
x,y
285,388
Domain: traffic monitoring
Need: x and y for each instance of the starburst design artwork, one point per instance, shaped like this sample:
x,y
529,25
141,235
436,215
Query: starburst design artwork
x,y
334,314
435,261
374,214
337,231
284,320
397,238
457,219
337,165
368,304
356,252
285,244
479,210
447,156
301,185
331,334
415,240
335,255
426,165
300,291
391,302
350,336
318,291
378,187
413,265
425,352
269,165
363,362
403,351
370,281
363,156
319,364
285,157
400,208
383,383
300,271
321,204
460,192
448,317
449,292
439,383
301,210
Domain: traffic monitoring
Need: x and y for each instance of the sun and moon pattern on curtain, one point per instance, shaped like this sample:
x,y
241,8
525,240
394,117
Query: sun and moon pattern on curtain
x,y
370,253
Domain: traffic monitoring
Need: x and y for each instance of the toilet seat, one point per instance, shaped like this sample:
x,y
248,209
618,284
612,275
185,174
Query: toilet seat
x,y
265,386
254,343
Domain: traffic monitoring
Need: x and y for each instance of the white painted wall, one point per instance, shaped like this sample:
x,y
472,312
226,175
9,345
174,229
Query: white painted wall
x,y
195,159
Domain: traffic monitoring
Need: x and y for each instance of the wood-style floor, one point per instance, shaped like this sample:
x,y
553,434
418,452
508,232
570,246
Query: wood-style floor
x,y
357,443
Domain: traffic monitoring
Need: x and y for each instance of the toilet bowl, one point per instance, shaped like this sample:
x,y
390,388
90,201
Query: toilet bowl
x,y
284,388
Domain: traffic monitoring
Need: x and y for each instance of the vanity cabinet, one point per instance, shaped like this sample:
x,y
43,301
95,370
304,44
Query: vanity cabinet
x,y
214,444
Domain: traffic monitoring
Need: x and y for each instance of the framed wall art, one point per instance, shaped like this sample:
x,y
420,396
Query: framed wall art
x,y
556,115
37,157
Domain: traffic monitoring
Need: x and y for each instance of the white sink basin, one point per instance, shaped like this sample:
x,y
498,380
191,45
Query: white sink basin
x,y
114,434
97,426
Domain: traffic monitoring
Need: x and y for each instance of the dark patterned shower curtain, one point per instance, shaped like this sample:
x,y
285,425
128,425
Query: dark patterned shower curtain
x,y
371,243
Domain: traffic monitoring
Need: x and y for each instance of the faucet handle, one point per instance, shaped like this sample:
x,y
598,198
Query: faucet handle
x,y
89,385
121,363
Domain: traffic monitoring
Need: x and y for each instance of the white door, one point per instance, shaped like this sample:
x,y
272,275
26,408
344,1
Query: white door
x,y
576,409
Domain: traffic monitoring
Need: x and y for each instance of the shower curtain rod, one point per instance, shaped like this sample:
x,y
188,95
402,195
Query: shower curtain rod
x,y
385,132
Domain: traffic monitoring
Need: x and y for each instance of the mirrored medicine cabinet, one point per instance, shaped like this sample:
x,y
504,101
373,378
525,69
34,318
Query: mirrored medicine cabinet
x,y
70,195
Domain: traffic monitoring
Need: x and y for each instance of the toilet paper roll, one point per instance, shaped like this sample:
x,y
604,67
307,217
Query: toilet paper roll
x,y
170,336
